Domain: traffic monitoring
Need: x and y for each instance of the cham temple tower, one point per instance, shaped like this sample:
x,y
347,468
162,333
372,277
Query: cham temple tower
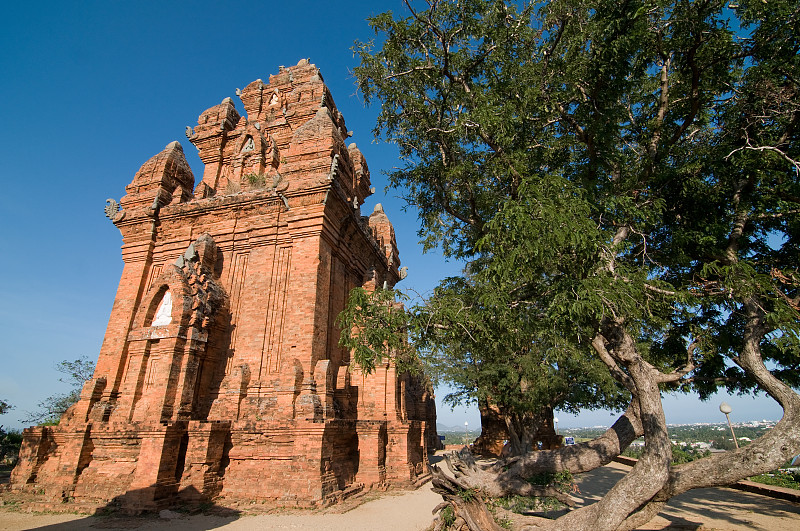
x,y
220,374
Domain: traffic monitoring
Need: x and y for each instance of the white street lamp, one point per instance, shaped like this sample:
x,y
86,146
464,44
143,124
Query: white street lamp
x,y
555,419
466,433
725,408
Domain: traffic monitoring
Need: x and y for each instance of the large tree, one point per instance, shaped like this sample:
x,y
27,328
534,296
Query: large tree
x,y
628,171
494,353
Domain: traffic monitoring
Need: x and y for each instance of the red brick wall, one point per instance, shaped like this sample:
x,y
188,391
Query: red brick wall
x,y
245,393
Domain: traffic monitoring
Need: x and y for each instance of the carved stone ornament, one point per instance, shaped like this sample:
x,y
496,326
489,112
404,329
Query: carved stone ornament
x,y
111,209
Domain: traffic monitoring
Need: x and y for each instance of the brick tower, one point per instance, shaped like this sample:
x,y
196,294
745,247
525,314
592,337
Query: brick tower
x,y
220,373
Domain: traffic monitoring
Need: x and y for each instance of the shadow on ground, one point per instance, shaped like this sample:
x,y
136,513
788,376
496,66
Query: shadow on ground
x,y
194,516
140,522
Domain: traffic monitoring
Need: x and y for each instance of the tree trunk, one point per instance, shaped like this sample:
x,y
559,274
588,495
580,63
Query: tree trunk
x,y
509,476
651,472
463,492
581,457
528,429
469,511
643,492
766,453
493,431
522,431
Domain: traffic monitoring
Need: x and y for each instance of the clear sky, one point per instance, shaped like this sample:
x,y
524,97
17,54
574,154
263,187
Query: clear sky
x,y
91,91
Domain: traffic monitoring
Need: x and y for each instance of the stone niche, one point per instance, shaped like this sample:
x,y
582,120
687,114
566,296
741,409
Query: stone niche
x,y
220,375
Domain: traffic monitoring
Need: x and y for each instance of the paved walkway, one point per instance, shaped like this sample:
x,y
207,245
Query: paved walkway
x,y
701,509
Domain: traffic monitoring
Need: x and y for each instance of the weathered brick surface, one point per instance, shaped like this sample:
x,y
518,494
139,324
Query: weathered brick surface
x,y
220,372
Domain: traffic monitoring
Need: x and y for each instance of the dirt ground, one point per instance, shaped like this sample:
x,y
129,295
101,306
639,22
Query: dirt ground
x,y
700,510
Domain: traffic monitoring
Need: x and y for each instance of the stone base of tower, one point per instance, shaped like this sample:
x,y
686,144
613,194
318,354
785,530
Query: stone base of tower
x,y
139,467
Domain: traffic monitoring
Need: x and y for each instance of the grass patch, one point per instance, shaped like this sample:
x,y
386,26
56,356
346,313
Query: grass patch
x,y
256,180
561,481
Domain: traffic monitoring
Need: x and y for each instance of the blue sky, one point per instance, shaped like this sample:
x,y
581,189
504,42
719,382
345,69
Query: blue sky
x,y
91,90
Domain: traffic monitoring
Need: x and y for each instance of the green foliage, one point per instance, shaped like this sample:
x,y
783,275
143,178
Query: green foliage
x,y
779,478
561,481
598,159
466,494
487,347
505,522
76,373
723,443
459,436
373,328
680,453
527,504
10,441
685,454
256,180
448,516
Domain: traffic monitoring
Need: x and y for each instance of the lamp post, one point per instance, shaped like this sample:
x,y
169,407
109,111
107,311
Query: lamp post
x,y
466,432
555,419
725,408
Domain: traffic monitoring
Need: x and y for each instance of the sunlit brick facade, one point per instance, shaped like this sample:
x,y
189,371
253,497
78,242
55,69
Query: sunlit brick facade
x,y
220,374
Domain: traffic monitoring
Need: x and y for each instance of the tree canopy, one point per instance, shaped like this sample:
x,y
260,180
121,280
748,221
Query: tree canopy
x,y
626,172
10,441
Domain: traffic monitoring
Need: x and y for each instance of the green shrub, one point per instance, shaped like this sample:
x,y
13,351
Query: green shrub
x,y
779,478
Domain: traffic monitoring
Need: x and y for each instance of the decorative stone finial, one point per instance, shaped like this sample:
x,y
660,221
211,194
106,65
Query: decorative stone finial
x,y
378,208
174,145
111,209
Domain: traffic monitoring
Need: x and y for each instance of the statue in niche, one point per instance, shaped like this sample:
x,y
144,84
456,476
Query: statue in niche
x,y
249,145
275,99
164,312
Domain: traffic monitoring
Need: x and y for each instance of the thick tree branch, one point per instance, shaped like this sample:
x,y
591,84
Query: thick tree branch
x,y
683,371
765,453
599,345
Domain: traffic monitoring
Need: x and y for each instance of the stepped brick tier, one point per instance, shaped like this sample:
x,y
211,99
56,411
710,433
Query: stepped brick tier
x,y
220,374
